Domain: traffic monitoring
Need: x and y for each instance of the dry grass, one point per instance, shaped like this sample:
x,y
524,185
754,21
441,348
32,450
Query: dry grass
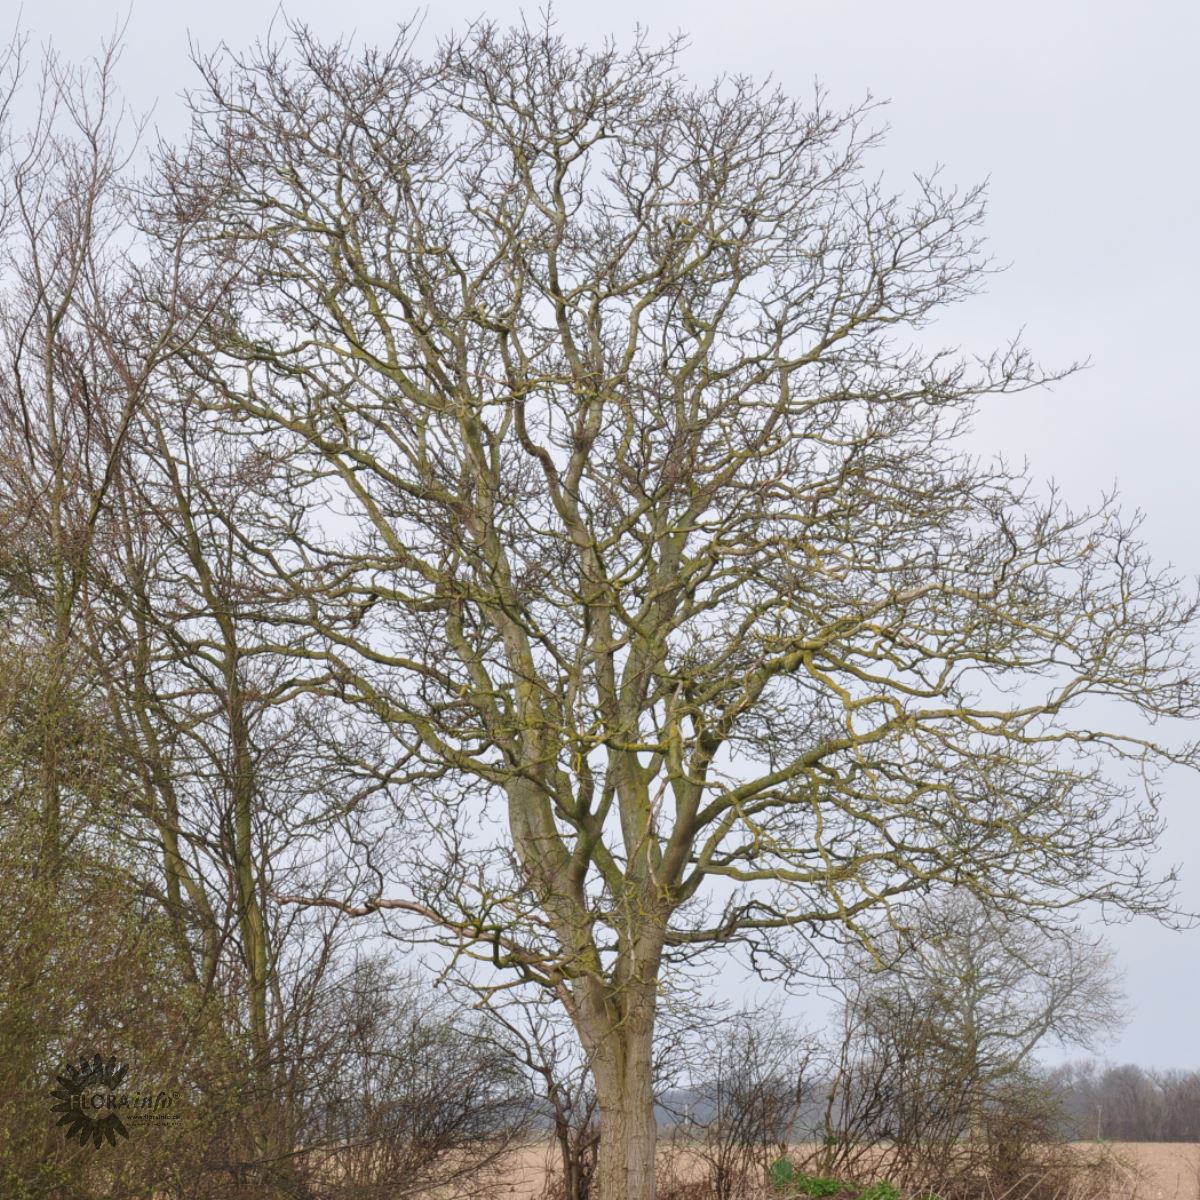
x,y
1155,1170
1131,1170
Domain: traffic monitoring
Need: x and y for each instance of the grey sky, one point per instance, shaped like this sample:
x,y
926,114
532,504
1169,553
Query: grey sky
x,y
1081,113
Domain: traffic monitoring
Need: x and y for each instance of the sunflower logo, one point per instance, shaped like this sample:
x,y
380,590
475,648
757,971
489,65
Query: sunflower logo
x,y
88,1102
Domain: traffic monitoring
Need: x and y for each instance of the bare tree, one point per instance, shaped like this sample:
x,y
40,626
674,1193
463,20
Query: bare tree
x,y
892,1082
67,395
536,1033
942,1019
635,516
407,1093
240,780
1128,1103
154,713
993,989
539,1039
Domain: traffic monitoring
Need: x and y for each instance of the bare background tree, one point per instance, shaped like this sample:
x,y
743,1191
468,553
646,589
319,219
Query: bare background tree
x,y
941,1022
1127,1103
536,1035
163,766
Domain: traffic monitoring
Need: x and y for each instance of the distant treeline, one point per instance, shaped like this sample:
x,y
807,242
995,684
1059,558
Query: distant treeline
x,y
1129,1103
1125,1103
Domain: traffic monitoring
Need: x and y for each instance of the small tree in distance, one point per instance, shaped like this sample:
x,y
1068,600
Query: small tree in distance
x,y
537,1038
623,492
995,988
943,1016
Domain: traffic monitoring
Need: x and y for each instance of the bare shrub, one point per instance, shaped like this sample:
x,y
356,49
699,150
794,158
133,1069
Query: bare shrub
x,y
408,1092
535,1037
744,1106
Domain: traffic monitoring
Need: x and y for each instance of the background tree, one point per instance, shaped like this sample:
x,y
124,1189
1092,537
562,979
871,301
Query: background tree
x,y
994,990
406,1091
1127,1103
536,1034
653,548
162,763
67,393
540,1041
943,1018
78,346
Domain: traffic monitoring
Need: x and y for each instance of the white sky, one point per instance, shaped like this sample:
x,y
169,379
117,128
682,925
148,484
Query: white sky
x,y
1081,113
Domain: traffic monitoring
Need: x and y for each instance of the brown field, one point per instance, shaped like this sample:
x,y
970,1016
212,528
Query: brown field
x,y
1157,1170
1144,1170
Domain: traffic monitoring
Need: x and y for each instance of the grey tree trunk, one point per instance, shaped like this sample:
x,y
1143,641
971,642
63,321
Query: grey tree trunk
x,y
625,1091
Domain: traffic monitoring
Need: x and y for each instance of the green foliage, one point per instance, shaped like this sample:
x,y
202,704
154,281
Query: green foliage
x,y
781,1173
816,1186
883,1190
786,1178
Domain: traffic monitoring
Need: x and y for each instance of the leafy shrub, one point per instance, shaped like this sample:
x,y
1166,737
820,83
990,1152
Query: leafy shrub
x,y
782,1174
816,1186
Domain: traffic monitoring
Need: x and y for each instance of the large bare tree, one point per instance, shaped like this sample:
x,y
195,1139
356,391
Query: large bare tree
x,y
637,514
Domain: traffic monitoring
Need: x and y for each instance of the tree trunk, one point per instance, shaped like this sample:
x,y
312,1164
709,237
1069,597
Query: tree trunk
x,y
578,1164
625,1091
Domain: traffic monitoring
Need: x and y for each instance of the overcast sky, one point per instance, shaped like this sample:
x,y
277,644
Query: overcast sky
x,y
1082,115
